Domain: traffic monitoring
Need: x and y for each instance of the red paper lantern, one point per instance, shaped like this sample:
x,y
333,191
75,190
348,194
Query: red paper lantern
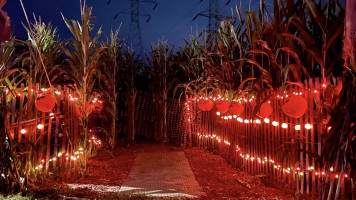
x,y
222,106
88,108
45,102
205,105
236,108
295,106
265,110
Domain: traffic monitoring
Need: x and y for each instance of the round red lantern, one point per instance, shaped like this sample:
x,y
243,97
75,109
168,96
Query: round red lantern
x,y
205,105
222,106
236,108
89,108
295,106
45,102
265,110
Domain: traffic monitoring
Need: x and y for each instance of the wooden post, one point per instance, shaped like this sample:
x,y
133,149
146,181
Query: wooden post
x,y
58,111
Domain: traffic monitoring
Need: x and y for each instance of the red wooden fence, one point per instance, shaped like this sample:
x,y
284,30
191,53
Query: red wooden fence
x,y
286,156
51,138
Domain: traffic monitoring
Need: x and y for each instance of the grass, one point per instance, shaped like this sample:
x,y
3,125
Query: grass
x,y
15,197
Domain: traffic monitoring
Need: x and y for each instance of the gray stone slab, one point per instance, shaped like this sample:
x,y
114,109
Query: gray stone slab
x,y
162,175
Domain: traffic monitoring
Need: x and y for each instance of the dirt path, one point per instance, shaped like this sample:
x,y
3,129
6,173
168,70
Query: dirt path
x,y
155,170
160,174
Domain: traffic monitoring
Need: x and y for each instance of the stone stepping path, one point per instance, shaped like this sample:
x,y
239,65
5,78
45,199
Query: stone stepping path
x,y
162,174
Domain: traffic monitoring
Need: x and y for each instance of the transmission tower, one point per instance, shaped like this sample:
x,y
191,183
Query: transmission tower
x,y
213,15
135,37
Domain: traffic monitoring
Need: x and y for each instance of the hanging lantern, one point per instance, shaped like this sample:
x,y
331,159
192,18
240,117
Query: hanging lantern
x,y
45,102
222,106
236,108
205,105
265,110
295,106
89,108
99,106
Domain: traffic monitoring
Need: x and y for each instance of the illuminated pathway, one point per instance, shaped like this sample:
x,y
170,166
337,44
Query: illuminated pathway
x,y
165,174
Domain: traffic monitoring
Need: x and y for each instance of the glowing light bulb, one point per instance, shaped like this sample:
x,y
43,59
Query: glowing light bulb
x,y
297,127
307,126
23,131
274,123
239,119
218,113
266,120
284,125
40,126
230,117
246,121
234,116
258,121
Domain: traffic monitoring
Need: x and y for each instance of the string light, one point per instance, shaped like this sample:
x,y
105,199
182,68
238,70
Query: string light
x,y
297,127
275,165
284,125
218,113
40,126
307,126
76,154
23,131
267,120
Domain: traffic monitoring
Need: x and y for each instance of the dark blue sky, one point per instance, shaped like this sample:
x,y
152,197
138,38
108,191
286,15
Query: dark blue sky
x,y
171,20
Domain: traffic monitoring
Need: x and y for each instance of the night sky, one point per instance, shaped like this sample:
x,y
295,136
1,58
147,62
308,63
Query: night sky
x,y
172,20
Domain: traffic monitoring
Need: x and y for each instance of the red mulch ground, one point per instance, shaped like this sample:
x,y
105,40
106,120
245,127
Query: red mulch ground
x,y
215,176
218,179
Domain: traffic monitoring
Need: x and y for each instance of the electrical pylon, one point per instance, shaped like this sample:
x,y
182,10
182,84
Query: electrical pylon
x,y
213,15
135,37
